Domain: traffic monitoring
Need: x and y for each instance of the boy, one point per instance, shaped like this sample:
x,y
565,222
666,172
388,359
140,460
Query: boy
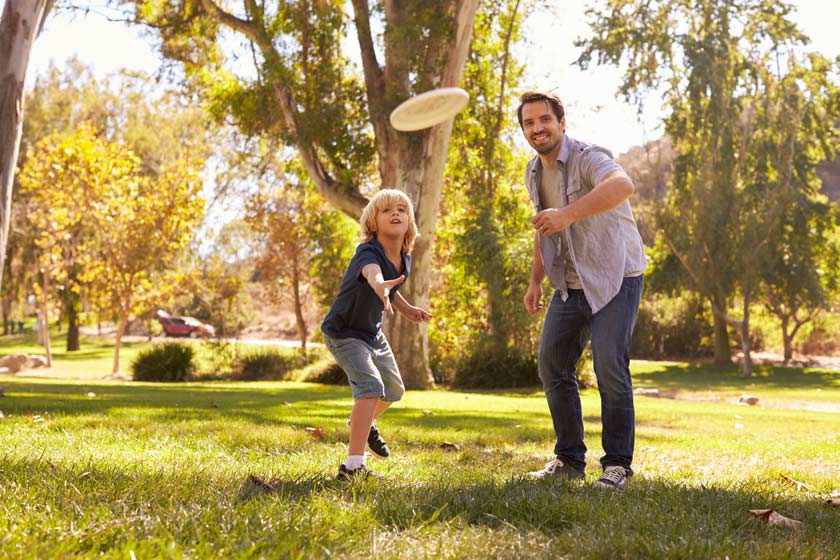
x,y
353,327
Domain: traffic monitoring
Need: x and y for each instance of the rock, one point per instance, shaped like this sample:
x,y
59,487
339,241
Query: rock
x,y
38,361
751,400
15,362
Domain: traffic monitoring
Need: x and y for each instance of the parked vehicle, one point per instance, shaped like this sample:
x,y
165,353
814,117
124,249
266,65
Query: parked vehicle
x,y
183,326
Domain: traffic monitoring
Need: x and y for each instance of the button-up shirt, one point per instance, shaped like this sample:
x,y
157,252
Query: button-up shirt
x,y
605,248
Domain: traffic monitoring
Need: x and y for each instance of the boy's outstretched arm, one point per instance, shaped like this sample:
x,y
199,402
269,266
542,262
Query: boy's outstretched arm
x,y
413,314
382,287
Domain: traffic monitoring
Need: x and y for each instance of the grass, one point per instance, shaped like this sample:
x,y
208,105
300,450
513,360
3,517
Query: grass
x,y
114,469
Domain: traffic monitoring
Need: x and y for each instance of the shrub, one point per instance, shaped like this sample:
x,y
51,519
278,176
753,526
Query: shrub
x,y
672,327
164,362
268,364
330,373
497,369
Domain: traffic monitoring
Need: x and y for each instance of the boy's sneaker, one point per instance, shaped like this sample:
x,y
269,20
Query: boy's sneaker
x,y
614,477
362,472
376,444
557,468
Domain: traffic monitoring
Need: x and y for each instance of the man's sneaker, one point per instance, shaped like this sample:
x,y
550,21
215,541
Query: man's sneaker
x,y
376,444
362,472
614,477
557,468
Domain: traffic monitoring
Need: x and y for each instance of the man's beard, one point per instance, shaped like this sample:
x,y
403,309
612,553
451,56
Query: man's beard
x,y
546,149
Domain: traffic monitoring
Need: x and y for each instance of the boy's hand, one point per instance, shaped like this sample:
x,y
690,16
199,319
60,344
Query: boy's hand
x,y
383,290
415,314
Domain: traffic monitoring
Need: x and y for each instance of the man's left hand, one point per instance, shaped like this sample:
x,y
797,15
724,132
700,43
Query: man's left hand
x,y
552,220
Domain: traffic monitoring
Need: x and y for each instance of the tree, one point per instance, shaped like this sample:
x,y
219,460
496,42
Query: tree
x,y
306,95
485,233
714,60
19,25
143,223
61,180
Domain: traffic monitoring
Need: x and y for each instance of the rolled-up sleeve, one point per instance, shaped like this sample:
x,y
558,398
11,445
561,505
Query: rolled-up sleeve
x,y
596,165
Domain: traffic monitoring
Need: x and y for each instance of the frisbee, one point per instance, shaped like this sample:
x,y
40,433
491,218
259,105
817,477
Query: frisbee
x,y
429,108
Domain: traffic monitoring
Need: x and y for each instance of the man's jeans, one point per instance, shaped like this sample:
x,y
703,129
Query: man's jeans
x,y
568,326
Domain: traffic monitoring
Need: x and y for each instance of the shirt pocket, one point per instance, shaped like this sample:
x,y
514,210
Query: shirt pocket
x,y
573,191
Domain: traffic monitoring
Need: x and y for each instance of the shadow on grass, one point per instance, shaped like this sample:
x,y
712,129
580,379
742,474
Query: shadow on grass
x,y
705,378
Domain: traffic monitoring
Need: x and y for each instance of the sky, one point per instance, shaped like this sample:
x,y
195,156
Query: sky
x,y
595,113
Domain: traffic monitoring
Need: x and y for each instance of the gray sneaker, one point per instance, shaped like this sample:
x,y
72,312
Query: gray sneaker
x,y
557,468
614,477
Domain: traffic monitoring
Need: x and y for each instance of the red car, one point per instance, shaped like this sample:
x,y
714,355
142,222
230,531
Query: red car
x,y
183,326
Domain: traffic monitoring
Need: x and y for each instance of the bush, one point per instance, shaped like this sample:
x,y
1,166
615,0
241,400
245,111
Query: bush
x,y
269,364
497,369
330,373
672,327
164,362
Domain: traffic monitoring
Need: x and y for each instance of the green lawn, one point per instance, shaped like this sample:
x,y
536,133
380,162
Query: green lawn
x,y
98,468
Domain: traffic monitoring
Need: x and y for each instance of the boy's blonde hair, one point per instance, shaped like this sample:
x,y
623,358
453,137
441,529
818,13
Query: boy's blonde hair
x,y
388,198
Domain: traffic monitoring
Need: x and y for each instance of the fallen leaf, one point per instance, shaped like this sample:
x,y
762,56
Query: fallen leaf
x,y
1,414
427,411
214,404
751,400
833,502
737,416
260,482
449,446
316,432
799,485
649,391
90,394
775,519
287,403
37,418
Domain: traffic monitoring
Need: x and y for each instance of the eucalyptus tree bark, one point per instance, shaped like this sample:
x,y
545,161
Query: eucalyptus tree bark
x,y
20,23
412,162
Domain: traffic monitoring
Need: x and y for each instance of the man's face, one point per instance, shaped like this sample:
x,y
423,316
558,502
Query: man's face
x,y
541,128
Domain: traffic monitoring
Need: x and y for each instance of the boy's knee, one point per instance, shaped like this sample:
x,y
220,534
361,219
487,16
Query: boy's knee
x,y
394,392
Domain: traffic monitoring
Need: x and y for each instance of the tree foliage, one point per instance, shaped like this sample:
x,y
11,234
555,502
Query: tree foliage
x,y
744,156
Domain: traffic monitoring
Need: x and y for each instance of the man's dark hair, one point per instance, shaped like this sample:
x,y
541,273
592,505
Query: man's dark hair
x,y
532,96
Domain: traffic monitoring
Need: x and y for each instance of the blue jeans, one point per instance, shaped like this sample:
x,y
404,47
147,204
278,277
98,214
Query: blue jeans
x,y
568,326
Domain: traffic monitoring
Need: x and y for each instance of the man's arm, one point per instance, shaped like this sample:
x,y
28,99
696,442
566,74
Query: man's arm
x,y
609,193
533,297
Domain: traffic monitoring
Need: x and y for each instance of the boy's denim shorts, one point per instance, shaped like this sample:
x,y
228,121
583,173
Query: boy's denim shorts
x,y
371,369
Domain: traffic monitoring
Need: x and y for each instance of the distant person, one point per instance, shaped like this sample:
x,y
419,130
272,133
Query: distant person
x,y
353,327
20,327
587,243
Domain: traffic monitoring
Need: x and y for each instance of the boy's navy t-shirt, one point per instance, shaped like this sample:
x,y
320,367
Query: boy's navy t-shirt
x,y
357,310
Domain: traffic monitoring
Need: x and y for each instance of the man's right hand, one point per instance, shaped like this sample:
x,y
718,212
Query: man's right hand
x,y
533,298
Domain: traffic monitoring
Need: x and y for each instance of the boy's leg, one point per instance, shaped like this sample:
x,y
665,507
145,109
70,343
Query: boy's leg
x,y
381,407
361,419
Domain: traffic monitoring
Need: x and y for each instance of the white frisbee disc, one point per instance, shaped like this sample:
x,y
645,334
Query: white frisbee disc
x,y
429,108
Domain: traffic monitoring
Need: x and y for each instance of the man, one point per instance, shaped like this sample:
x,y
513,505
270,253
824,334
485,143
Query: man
x,y
587,243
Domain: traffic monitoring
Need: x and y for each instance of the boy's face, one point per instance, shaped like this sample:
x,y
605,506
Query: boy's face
x,y
392,221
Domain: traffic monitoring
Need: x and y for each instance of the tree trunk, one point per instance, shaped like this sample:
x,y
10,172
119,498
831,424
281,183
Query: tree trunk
x,y
787,340
723,352
118,343
298,303
746,346
20,23
45,320
72,305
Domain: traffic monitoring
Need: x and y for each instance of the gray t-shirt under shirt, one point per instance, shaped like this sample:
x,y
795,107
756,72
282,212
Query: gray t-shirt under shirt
x,y
551,189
